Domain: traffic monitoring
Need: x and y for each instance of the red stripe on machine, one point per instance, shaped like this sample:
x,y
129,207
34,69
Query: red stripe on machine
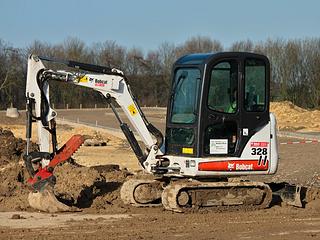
x,y
235,165
301,142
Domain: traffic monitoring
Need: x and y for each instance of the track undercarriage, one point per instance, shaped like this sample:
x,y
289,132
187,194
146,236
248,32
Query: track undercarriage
x,y
183,195
189,195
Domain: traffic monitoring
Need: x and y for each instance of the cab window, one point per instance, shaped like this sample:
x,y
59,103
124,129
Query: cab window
x,y
255,85
185,95
223,88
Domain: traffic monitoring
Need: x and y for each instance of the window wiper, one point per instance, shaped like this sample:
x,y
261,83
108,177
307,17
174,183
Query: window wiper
x,y
183,76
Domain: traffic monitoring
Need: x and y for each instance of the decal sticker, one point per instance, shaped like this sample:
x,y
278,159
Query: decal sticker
x,y
132,109
262,160
259,144
260,149
235,165
187,150
231,166
83,79
100,83
245,132
218,146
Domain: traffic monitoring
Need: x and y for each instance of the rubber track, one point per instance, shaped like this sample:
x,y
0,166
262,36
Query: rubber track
x,y
170,193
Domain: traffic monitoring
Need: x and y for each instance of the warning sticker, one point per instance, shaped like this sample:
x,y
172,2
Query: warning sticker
x,y
218,146
187,150
83,79
132,109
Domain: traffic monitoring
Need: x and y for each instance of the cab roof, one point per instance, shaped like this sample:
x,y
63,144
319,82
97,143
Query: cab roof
x,y
201,58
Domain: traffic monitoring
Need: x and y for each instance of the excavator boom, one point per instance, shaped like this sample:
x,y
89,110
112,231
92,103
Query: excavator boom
x,y
111,83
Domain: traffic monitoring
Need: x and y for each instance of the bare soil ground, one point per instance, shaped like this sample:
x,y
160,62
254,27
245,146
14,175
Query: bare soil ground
x,y
94,188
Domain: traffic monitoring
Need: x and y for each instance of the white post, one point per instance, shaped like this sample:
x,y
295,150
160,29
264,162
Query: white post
x,y
67,106
80,106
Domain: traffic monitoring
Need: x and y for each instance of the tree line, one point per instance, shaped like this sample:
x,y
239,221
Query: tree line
x,y
295,66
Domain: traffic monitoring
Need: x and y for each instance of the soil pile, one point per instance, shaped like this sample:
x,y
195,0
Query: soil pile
x,y
96,188
315,180
87,188
293,118
13,194
11,148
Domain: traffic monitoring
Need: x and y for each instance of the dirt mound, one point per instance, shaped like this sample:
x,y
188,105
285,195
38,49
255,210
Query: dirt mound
x,y
315,180
96,188
13,192
12,148
79,186
97,184
293,118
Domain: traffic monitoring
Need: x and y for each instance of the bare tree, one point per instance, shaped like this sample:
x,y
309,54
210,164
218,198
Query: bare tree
x,y
109,53
242,46
199,44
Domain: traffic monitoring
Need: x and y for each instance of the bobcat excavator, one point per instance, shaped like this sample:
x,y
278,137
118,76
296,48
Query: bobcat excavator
x,y
218,128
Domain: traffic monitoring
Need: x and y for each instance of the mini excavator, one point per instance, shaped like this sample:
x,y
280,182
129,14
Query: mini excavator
x,y
218,128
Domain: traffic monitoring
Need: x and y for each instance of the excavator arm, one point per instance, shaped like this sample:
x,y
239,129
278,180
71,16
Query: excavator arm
x,y
111,83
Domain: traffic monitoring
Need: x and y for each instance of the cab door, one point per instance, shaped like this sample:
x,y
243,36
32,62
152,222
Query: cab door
x,y
235,103
254,97
221,115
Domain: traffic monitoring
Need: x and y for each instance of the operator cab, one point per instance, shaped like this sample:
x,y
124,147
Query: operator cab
x,y
217,103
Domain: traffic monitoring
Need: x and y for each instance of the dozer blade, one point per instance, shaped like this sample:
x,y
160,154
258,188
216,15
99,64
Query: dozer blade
x,y
292,196
42,196
289,194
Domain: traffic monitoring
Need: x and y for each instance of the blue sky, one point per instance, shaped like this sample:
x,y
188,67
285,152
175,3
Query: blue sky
x,y
147,23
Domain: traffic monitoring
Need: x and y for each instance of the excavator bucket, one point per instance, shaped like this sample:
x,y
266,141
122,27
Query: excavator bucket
x,y
46,201
42,196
